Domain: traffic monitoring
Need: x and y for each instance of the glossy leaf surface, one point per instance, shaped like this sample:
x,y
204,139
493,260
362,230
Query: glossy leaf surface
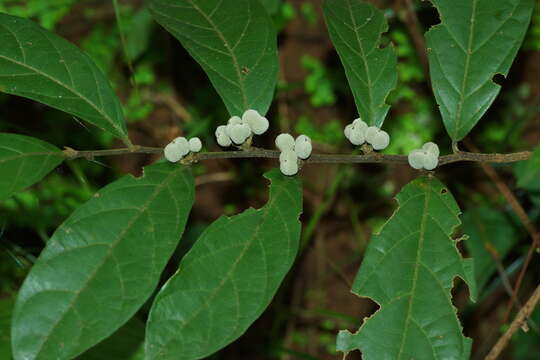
x,y
476,40
409,270
355,28
228,277
41,66
101,264
24,161
235,43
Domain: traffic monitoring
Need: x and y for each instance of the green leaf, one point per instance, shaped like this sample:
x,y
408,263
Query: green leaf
x,y
6,308
39,65
528,172
476,40
138,34
24,161
486,227
272,6
228,277
101,264
124,344
408,270
235,43
355,28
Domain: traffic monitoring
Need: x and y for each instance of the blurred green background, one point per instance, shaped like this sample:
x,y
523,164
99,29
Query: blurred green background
x,y
166,94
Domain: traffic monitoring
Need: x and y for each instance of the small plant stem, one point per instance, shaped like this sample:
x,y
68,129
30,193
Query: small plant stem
x,y
518,322
253,152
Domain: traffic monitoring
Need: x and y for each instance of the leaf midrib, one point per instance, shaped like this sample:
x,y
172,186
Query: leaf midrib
x,y
227,277
72,90
416,268
229,49
142,210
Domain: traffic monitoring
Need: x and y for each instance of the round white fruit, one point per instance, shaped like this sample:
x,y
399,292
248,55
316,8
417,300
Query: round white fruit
x,y
173,152
370,134
223,139
431,148
195,144
285,142
416,159
430,161
380,140
303,147
288,163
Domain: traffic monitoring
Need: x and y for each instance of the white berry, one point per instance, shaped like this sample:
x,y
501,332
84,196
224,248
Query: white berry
x,y
183,143
235,120
358,135
430,161
370,134
416,159
284,142
431,148
347,131
258,124
195,144
221,130
380,141
238,132
223,139
359,122
303,147
173,152
288,163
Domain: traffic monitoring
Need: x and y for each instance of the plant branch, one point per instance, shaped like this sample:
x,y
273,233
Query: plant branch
x,y
525,220
315,158
518,322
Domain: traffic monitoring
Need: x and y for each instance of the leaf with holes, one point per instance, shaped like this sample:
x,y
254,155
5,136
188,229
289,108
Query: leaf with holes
x,y
355,28
235,43
490,233
476,40
24,161
408,270
41,66
228,277
101,264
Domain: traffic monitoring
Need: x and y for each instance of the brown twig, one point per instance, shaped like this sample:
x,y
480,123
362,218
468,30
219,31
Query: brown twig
x,y
407,14
520,319
525,220
253,152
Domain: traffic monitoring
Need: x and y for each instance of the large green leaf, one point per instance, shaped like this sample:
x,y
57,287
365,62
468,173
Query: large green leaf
x,y
228,277
476,40
528,172
24,161
101,264
39,65
235,43
485,228
6,307
355,28
408,270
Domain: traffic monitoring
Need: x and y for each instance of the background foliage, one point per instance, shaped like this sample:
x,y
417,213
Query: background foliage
x,y
172,97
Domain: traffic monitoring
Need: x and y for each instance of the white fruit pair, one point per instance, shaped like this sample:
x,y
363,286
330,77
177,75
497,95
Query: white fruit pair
x,y
238,130
425,158
291,150
358,132
180,147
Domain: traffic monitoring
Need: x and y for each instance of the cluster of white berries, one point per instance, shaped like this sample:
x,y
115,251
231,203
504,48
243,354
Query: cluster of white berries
x,y
180,147
425,158
291,150
239,129
358,133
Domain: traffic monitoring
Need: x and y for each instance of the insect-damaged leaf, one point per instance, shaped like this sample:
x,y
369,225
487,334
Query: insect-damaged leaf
x,y
235,43
228,278
355,28
41,66
24,161
476,40
101,264
408,270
